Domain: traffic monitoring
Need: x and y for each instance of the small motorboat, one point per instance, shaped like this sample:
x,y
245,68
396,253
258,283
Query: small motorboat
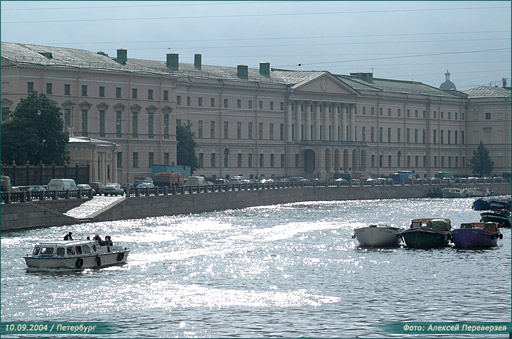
x,y
454,192
76,255
502,217
476,235
377,236
427,233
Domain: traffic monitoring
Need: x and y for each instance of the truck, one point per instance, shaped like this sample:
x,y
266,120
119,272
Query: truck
x,y
163,179
403,176
6,184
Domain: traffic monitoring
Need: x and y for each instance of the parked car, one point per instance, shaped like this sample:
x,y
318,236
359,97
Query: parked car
x,y
86,187
126,186
62,185
97,187
221,181
112,189
36,188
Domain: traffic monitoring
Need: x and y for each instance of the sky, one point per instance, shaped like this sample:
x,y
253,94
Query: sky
x,y
403,40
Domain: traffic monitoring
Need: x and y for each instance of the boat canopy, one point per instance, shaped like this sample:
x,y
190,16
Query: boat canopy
x,y
435,224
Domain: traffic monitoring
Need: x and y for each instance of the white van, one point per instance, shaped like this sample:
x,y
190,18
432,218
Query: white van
x,y
61,185
195,181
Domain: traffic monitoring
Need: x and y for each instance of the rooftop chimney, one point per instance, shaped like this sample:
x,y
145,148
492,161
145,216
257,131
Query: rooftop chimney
x,y
172,61
242,71
265,69
504,80
122,56
197,61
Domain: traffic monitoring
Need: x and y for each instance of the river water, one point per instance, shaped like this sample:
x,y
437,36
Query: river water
x,y
288,270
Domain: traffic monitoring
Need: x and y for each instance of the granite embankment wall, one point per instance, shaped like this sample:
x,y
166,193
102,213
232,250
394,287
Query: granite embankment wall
x,y
49,213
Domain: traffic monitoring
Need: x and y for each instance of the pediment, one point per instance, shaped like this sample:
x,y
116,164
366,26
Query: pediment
x,y
325,84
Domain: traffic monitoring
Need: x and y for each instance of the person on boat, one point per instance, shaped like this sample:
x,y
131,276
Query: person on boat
x,y
97,238
68,236
108,240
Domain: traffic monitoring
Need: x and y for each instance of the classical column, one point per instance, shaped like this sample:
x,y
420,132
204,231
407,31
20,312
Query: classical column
x,y
352,122
327,109
344,122
309,108
317,122
298,104
289,122
335,122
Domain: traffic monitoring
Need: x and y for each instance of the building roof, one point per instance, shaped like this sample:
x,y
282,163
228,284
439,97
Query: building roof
x,y
77,58
488,91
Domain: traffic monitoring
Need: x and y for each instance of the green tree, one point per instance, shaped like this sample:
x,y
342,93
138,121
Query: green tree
x,y
481,162
35,133
186,147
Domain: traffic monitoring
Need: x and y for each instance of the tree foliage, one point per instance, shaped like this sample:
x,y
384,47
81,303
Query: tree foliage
x,y
481,162
35,133
186,147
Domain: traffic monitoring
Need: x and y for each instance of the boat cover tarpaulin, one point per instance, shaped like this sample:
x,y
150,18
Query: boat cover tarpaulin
x,y
440,225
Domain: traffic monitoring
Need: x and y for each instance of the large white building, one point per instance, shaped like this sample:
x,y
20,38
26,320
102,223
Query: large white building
x,y
259,122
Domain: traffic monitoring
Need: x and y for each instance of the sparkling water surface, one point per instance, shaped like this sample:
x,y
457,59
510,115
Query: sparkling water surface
x,y
288,270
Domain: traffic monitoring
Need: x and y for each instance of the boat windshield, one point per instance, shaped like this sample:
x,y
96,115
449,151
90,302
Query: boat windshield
x,y
36,250
47,251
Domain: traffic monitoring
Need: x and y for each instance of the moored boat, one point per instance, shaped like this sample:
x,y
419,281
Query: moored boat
x,y
502,217
76,255
427,233
476,235
481,204
478,192
454,192
377,236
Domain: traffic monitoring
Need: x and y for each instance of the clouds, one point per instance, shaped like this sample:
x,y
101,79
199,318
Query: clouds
x,y
399,40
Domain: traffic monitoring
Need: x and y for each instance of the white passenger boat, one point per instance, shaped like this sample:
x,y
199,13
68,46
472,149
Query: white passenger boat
x,y
454,192
378,236
75,254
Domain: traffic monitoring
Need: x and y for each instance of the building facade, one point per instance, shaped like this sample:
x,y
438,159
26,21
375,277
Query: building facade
x,y
260,122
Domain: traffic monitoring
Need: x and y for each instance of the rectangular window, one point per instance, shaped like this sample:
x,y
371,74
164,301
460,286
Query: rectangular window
x,y
226,159
249,130
119,160
408,113
188,101
249,160
151,158
272,160
84,90
380,134
166,125
134,93
416,161
102,91
150,94
389,112
166,95
435,160
118,92
487,116
442,136
462,138
151,132
456,137
372,162
178,100
380,161
260,131
408,135
424,136
398,112
49,88
372,134
364,110
415,113
271,131
250,104
271,105
239,160
226,103
282,106
399,135
261,160
102,123
67,117
442,115
261,104
239,103
442,161
456,118
239,130
415,135
449,137
389,160
363,133
424,114
119,130
281,132
424,161
200,129
449,117
212,102
282,161
85,123
135,124
296,161
389,134
226,129
212,160
434,141
380,111
135,159
166,159
67,89
373,110
212,129
30,87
